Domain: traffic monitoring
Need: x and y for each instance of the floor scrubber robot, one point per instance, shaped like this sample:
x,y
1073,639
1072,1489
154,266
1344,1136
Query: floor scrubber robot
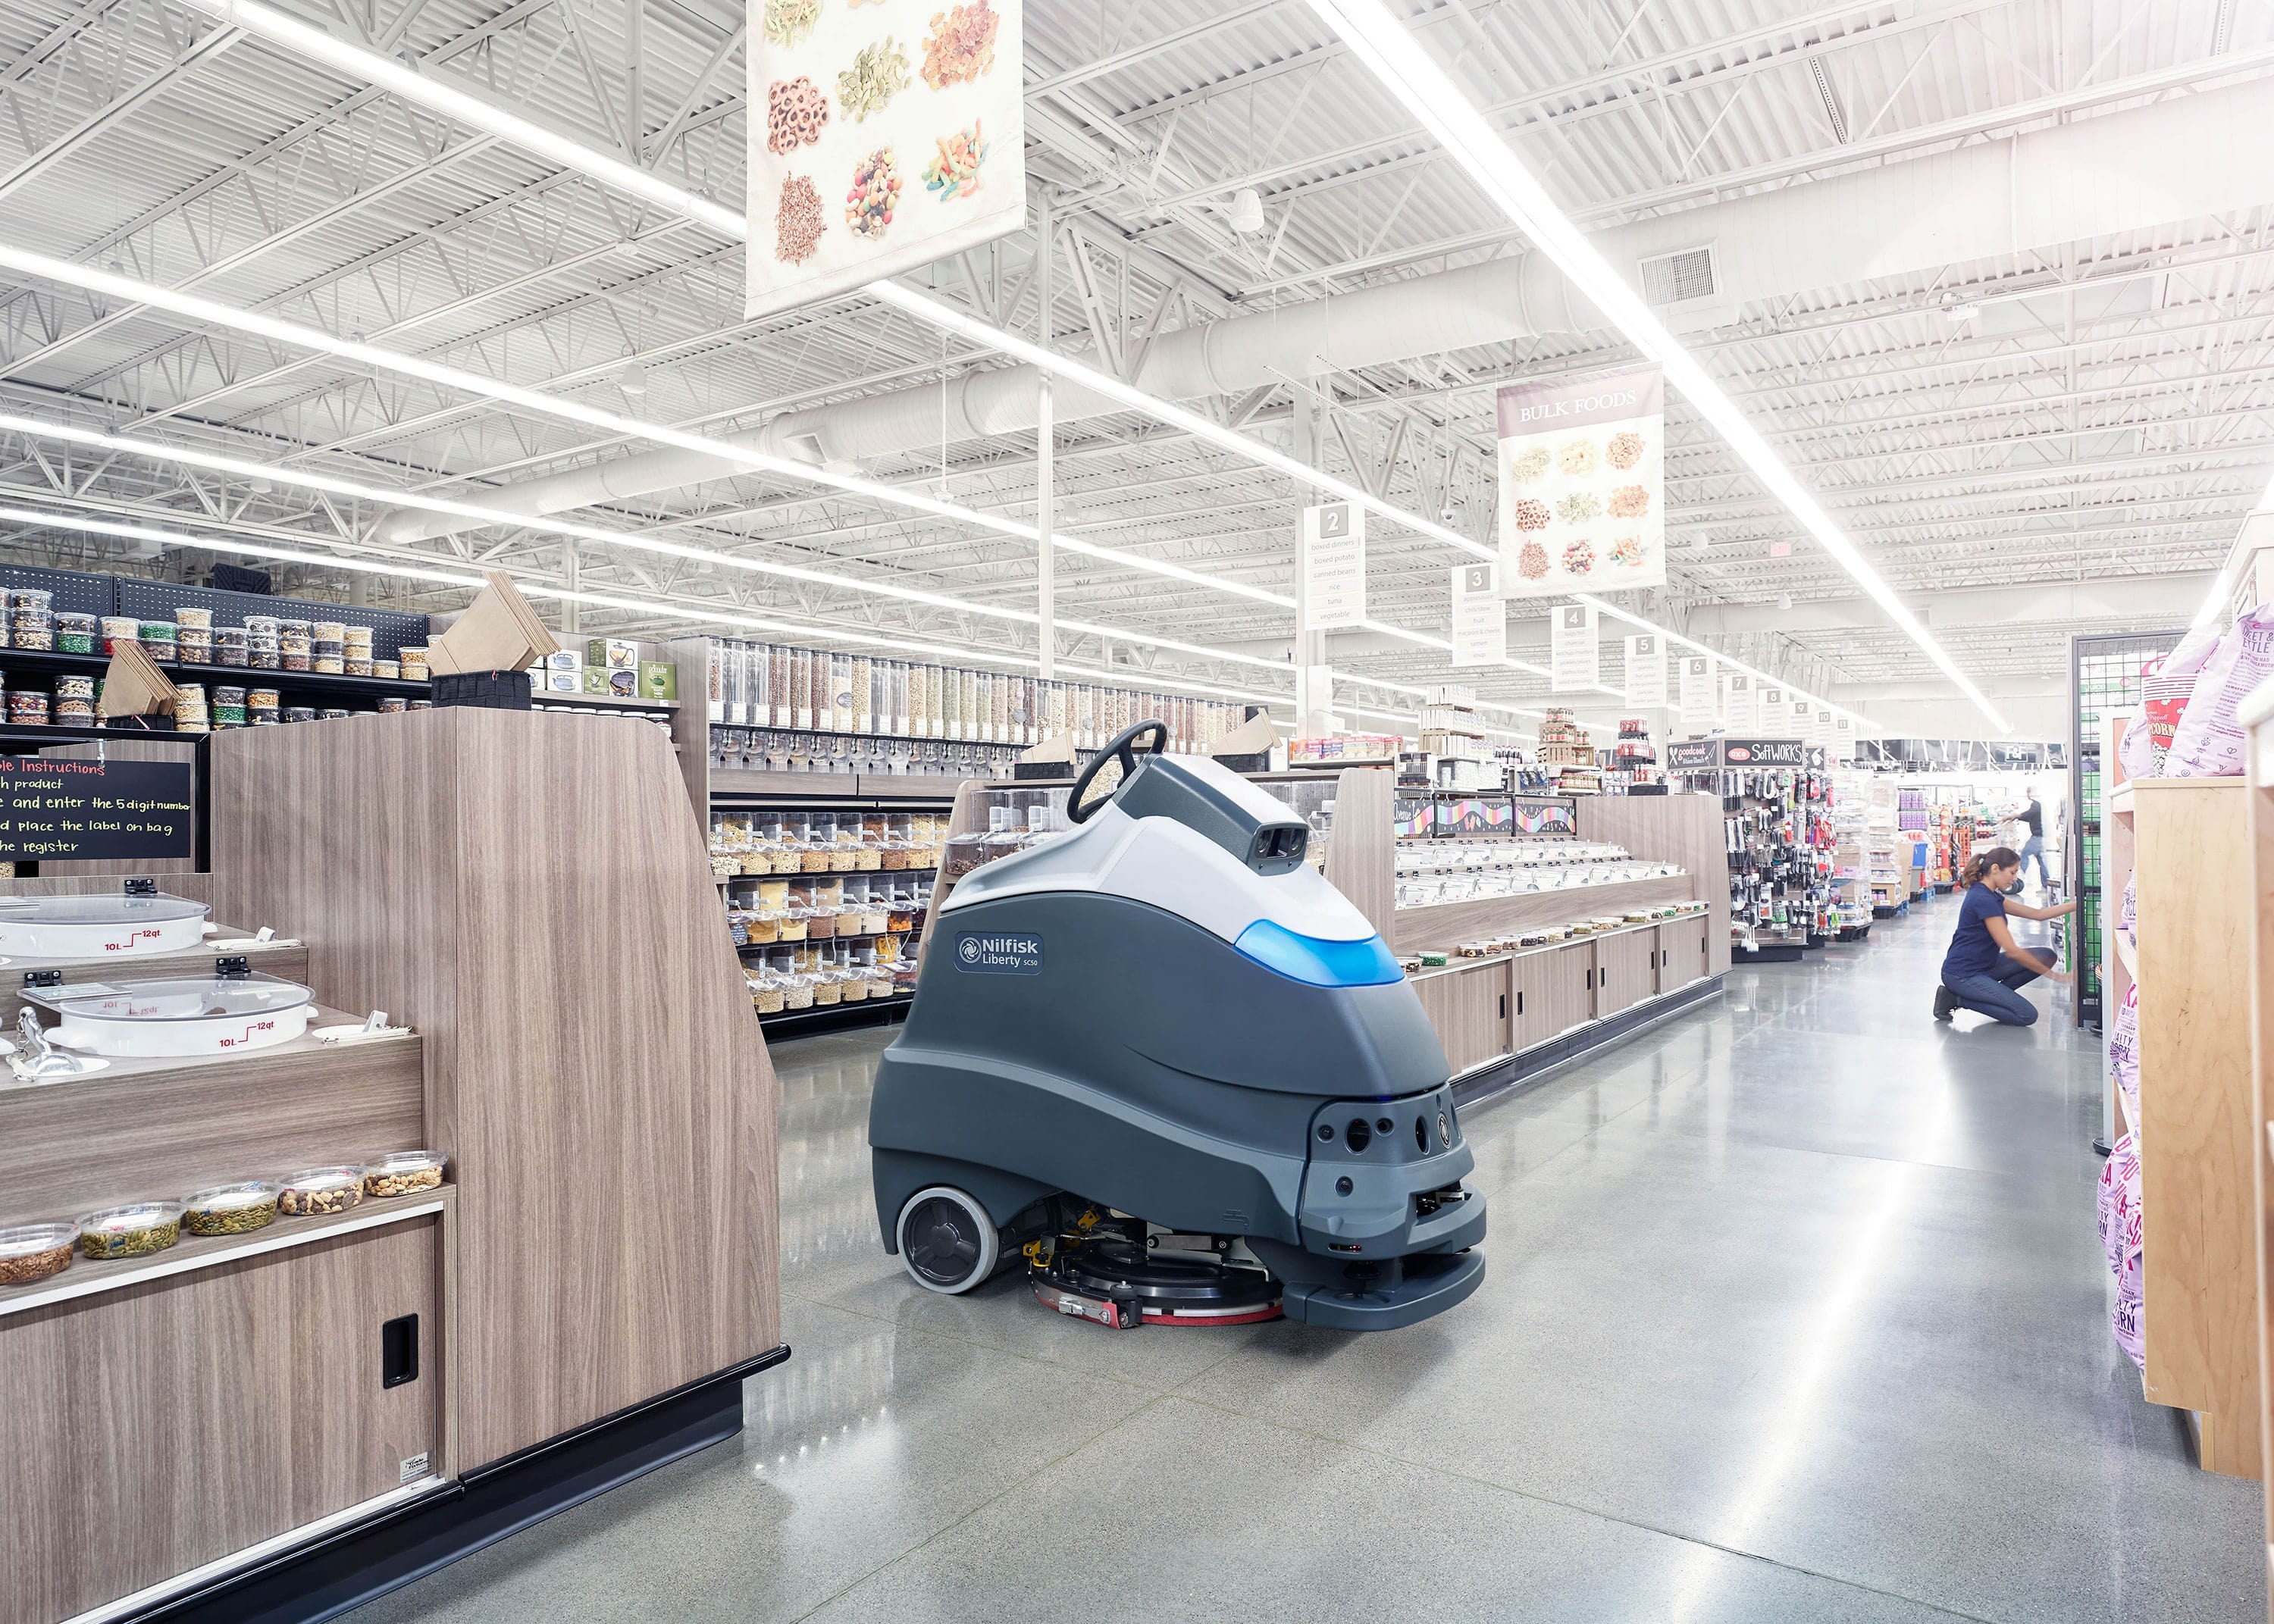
x,y
1166,1062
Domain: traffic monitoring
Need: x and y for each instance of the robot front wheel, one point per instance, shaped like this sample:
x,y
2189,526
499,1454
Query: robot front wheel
x,y
948,1242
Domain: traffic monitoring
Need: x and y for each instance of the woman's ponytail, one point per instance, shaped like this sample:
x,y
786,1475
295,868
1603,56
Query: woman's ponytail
x,y
1996,857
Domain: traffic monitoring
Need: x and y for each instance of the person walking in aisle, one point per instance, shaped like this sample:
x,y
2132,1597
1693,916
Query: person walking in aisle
x,y
2032,817
1973,978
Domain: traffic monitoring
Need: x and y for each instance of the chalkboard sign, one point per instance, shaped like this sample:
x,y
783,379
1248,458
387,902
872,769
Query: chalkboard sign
x,y
63,809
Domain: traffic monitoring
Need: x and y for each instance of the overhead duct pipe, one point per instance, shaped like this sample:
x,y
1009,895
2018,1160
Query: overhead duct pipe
x,y
2122,172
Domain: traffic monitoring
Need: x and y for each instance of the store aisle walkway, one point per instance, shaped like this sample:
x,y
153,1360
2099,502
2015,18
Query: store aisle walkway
x,y
1795,1311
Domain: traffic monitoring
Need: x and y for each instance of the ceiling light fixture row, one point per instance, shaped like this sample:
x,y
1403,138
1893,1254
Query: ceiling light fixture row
x,y
569,152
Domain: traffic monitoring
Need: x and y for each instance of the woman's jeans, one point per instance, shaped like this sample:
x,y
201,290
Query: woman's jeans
x,y
1993,995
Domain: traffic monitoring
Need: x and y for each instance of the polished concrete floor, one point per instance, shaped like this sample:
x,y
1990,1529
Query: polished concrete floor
x,y
1795,1311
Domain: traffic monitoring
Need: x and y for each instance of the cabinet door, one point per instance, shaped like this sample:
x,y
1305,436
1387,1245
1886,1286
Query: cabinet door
x,y
1625,970
1554,992
1470,1010
153,1429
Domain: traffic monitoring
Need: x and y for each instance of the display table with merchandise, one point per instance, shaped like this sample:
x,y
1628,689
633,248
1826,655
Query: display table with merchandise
x,y
333,1285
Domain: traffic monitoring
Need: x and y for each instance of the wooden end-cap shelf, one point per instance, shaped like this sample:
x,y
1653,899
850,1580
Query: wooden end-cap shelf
x,y
87,1277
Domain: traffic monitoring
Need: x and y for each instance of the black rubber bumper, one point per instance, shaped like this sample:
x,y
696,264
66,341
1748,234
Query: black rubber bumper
x,y
1432,1283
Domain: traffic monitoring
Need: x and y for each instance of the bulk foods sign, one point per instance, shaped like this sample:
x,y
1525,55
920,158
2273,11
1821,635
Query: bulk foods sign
x,y
893,134
1583,483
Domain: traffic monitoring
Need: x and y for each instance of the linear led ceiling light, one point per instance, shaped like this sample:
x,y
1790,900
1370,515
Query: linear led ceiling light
x,y
1383,44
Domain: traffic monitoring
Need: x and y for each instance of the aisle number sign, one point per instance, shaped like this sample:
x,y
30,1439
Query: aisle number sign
x,y
1737,708
1334,567
1479,617
1645,670
1774,718
1572,659
1696,694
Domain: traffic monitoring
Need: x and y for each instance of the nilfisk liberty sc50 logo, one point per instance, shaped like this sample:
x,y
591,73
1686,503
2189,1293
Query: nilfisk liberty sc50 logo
x,y
1002,955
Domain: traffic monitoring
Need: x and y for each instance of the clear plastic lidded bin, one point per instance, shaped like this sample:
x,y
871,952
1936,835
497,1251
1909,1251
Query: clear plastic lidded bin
x,y
1006,833
898,842
968,850
797,991
818,838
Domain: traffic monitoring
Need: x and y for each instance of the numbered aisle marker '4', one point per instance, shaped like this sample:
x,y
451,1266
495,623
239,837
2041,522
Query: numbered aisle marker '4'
x,y
1572,656
893,134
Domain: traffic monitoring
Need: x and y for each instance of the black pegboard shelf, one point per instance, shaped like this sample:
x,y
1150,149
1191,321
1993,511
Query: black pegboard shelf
x,y
156,600
320,685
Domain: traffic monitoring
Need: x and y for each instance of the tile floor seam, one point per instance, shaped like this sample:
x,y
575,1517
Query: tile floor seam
x,y
1438,1470
951,1526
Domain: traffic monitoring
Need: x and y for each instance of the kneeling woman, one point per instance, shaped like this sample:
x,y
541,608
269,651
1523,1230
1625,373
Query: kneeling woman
x,y
1984,968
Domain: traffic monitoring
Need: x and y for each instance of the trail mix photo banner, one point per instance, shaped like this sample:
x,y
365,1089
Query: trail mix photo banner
x,y
1583,483
893,136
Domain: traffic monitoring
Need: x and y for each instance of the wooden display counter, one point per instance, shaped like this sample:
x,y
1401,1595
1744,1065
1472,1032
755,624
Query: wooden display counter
x,y
1505,1017
231,1428
2182,841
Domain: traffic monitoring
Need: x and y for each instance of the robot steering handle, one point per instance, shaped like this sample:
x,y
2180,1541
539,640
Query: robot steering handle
x,y
1118,746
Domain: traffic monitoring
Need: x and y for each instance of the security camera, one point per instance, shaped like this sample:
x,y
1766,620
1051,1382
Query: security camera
x,y
1445,515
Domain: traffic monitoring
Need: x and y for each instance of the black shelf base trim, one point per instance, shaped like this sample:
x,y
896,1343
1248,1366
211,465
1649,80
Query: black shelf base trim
x,y
365,1560
1522,1070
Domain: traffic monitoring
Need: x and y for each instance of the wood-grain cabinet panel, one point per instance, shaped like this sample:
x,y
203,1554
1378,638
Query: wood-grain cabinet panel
x,y
1553,994
1626,970
1470,1010
166,1426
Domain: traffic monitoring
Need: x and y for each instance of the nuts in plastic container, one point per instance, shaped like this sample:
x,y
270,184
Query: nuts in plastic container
x,y
32,1252
130,1231
230,1209
317,1191
403,1172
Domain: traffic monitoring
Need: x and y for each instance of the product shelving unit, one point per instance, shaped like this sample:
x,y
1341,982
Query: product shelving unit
x,y
2103,677
1778,880
2199,1135
745,750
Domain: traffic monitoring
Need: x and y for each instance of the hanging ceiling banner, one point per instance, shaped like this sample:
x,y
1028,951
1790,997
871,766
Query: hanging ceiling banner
x,y
894,135
1334,567
1742,715
1572,662
1801,720
1583,483
1645,670
1843,739
1697,694
1479,617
